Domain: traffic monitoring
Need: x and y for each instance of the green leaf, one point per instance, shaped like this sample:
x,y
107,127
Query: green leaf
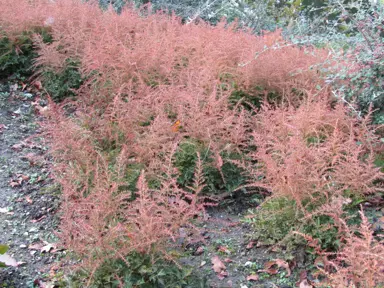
x,y
3,249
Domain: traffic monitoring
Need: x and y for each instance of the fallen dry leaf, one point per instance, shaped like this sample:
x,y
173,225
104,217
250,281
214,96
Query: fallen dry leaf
x,y
28,199
8,260
41,284
23,177
253,277
199,250
228,260
48,247
36,246
305,284
272,267
283,264
38,85
250,245
15,183
222,275
18,147
224,249
218,265
38,219
38,108
303,281
6,211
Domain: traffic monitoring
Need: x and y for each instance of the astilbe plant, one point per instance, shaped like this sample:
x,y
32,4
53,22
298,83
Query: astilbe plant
x,y
160,61
314,152
101,219
152,82
360,259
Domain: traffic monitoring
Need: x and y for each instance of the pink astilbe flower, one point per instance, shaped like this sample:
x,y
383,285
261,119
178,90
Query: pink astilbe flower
x,y
314,152
360,259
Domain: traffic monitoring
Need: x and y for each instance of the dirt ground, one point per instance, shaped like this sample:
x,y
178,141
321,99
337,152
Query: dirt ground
x,y
28,197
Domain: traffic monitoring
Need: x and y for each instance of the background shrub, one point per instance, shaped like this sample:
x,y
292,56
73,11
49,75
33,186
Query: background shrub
x,y
354,33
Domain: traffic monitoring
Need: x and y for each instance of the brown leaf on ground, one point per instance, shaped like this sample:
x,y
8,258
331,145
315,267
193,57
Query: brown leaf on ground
x,y
8,260
15,183
218,265
18,147
38,85
224,249
250,245
272,267
222,275
38,219
48,247
283,264
305,284
253,277
303,281
228,260
28,199
199,251
23,177
36,246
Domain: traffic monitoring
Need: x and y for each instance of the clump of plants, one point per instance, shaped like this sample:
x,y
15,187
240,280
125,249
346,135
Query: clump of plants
x,y
62,84
168,115
222,176
319,160
141,270
358,261
17,52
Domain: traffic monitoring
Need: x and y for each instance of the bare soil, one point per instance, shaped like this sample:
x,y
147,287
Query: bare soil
x,y
28,197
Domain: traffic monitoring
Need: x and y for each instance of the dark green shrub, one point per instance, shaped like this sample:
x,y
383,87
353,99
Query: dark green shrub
x,y
227,178
355,38
61,85
17,53
140,270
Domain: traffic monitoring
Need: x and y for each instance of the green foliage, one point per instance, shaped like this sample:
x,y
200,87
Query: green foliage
x,y
3,250
61,85
274,220
351,29
323,229
141,270
229,178
117,5
249,101
17,53
257,15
